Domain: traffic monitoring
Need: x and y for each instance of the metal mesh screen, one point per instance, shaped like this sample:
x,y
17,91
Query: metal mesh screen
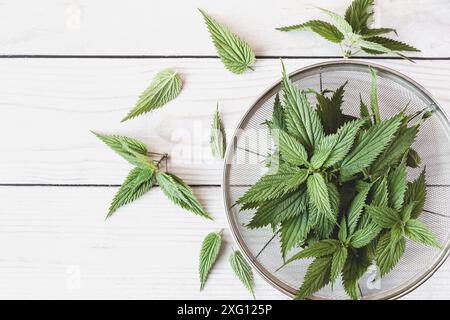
x,y
251,143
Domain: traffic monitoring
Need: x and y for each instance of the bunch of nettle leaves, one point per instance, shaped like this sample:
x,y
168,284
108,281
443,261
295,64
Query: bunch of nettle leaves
x,y
339,188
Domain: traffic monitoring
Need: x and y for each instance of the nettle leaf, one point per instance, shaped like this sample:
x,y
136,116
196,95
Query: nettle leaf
x,y
363,237
364,110
302,121
341,23
322,28
374,96
358,14
356,208
317,276
380,196
290,149
323,151
319,197
165,86
128,149
316,250
416,193
208,255
369,146
397,186
272,212
398,147
242,270
294,230
344,142
376,32
218,137
419,232
376,48
391,44
389,253
356,265
337,263
385,217
329,109
235,54
180,193
136,184
278,118
413,159
275,185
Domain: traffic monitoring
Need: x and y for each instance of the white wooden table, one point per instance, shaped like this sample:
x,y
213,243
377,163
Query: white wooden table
x,y
70,66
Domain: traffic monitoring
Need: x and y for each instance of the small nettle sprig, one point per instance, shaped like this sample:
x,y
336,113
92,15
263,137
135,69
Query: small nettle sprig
x,y
353,32
146,173
339,188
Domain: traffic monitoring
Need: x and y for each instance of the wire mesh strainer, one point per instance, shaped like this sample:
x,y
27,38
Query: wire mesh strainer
x,y
244,165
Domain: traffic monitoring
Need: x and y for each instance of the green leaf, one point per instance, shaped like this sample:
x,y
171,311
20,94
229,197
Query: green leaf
x,y
413,159
218,137
380,196
385,217
278,118
419,232
138,182
128,149
318,194
398,147
363,237
369,146
397,186
242,270
208,255
344,142
275,185
235,54
377,31
290,149
165,86
329,109
374,96
376,48
343,231
364,110
322,28
391,44
417,192
317,276
302,121
279,209
180,193
356,208
405,214
294,230
342,25
323,151
316,250
389,253
358,14
337,263
356,265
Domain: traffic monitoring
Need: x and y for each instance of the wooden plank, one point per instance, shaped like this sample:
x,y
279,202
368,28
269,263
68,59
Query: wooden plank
x,y
49,105
175,27
56,244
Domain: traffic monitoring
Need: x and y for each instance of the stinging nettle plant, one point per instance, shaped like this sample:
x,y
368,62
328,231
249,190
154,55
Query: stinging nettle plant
x,y
353,31
339,190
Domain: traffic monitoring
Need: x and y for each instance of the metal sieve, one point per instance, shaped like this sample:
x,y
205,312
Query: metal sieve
x,y
244,165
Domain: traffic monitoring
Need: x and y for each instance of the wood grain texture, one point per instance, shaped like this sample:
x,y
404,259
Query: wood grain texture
x,y
173,27
48,107
56,245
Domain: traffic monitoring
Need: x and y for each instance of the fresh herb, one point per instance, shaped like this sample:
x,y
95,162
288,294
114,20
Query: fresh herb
x,y
208,255
218,137
235,54
353,31
166,86
242,270
147,171
340,191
